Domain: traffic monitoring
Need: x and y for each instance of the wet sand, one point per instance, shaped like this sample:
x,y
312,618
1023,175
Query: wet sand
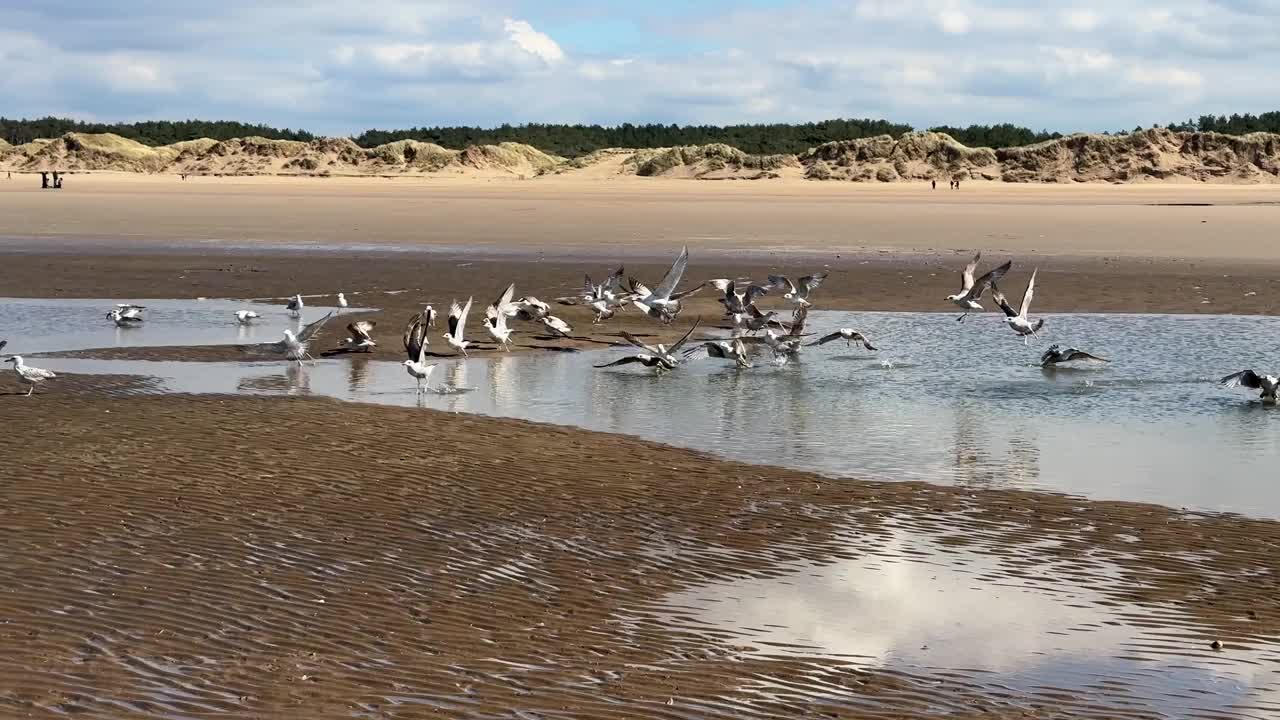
x,y
252,557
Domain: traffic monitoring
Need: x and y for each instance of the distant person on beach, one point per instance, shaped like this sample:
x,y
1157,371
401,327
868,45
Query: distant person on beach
x,y
934,183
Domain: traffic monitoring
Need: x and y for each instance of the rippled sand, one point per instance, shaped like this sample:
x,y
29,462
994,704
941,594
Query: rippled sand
x,y
181,556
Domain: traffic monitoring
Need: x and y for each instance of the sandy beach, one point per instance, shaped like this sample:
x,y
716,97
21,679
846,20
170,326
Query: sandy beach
x,y
193,555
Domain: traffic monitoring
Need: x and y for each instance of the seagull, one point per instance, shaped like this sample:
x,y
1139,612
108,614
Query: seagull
x,y
245,316
850,337
797,292
360,336
495,317
659,357
1268,384
415,346
530,308
736,303
788,346
604,298
663,302
556,326
755,321
342,301
1018,320
971,290
29,375
294,347
125,318
295,306
457,325
1056,354
733,350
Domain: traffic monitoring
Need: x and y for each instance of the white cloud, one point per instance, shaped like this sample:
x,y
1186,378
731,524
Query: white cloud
x,y
533,42
953,22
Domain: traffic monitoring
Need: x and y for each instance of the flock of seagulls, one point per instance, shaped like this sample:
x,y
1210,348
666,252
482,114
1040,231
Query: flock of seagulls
x,y
782,340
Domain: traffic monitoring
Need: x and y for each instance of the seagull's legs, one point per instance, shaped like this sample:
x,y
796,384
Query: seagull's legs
x,y
30,390
962,317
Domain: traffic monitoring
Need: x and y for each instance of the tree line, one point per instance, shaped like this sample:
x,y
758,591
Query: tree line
x,y
577,140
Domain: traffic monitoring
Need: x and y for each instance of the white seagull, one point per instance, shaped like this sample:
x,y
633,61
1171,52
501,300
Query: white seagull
x,y
663,302
733,350
294,347
1268,384
850,337
126,315
495,317
295,306
530,308
971,290
604,298
737,302
1057,354
797,292
361,339
1018,321
415,346
659,357
556,326
342,301
457,325
29,375
788,346
244,317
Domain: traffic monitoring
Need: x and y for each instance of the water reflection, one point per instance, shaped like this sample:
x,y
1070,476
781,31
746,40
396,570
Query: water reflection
x,y
914,606
943,404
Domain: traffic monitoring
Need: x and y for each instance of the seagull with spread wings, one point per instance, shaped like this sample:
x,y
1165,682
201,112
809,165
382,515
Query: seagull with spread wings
x,y
361,340
294,346
604,298
849,335
495,317
663,302
1056,355
786,347
971,290
126,314
457,325
797,292
659,357
1018,320
734,350
245,317
415,346
1268,384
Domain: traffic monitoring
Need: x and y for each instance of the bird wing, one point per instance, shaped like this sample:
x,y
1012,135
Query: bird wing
x,y
966,275
826,339
809,283
639,288
1082,355
624,361
753,292
781,282
588,287
673,276
865,342
687,293
3,343
309,330
676,347
1002,302
462,320
502,303
293,303
360,330
1026,296
413,335
615,280
989,280
1244,378
798,320
640,344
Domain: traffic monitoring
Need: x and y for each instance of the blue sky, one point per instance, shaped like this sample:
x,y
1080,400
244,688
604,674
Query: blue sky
x,y
339,67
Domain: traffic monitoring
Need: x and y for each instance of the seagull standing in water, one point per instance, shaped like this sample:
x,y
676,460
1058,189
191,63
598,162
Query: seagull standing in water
x,y
1268,384
244,317
126,315
1018,321
295,306
342,301
849,335
1056,355
415,346
457,325
797,292
29,375
361,340
971,290
786,347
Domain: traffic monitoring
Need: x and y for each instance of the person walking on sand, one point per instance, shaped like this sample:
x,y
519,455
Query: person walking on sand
x,y
934,183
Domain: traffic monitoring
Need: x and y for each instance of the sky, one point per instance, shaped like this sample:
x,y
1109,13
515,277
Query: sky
x,y
339,67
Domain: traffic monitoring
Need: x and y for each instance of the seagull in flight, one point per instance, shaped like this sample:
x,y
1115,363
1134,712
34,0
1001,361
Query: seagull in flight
x,y
663,302
733,350
244,317
797,292
604,298
495,317
850,337
788,346
361,339
971,290
556,326
295,306
737,302
1056,355
415,346
29,375
659,357
457,325
294,347
754,321
1268,384
1018,321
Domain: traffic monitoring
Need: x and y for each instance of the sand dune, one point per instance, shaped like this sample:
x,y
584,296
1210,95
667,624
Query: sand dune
x,y
1150,155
